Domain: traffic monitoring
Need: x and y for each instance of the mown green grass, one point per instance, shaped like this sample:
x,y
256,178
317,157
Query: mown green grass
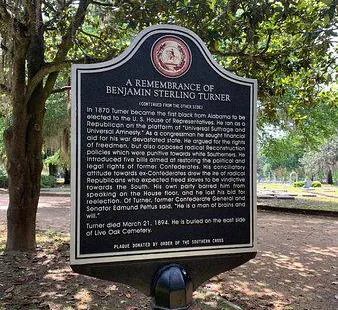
x,y
326,198
324,189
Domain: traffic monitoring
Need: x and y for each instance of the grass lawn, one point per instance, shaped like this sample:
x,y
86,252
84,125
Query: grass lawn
x,y
325,199
327,189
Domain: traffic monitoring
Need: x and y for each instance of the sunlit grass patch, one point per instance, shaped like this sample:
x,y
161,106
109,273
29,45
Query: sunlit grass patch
x,y
3,238
51,240
325,188
47,239
323,198
49,235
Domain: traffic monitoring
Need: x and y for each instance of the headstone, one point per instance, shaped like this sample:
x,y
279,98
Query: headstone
x,y
293,177
308,183
163,159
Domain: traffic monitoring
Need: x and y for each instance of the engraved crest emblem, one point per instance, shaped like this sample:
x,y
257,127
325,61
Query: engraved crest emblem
x,y
171,56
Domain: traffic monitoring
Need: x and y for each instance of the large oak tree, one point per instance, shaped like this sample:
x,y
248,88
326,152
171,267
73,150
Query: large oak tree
x,y
32,81
286,45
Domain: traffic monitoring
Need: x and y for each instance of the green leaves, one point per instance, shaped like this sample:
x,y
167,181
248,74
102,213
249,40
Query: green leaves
x,y
322,160
56,116
286,45
284,151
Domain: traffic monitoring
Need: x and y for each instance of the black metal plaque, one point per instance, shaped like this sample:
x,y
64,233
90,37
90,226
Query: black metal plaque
x,y
163,156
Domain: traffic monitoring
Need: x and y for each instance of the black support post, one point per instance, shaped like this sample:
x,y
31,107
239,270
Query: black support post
x,y
172,288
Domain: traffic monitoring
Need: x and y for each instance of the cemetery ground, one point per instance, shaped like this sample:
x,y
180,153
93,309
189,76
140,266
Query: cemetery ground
x,y
295,269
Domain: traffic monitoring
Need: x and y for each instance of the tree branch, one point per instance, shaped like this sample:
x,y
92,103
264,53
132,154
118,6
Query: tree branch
x,y
95,36
241,53
67,42
62,7
10,24
42,73
227,54
6,18
60,90
102,4
267,44
67,39
59,63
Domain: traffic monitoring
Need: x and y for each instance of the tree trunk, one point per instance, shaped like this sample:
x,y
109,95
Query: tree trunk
x,y
65,150
24,172
67,176
23,140
21,215
52,169
329,177
23,145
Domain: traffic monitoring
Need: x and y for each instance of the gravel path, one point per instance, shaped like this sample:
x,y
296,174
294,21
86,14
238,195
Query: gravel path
x,y
296,267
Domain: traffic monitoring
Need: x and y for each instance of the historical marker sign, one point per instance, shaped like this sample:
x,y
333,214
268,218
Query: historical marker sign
x,y
163,154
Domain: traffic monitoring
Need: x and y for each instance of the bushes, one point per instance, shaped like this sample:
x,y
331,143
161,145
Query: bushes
x,y
316,184
3,179
299,184
302,183
47,181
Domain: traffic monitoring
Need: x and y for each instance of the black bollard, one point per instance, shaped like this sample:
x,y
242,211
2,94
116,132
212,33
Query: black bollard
x,y
172,288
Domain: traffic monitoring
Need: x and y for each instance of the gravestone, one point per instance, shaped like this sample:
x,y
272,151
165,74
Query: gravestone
x,y
307,183
293,177
163,163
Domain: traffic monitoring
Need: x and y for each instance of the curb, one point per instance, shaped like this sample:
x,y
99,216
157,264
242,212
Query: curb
x,y
55,194
297,211
43,193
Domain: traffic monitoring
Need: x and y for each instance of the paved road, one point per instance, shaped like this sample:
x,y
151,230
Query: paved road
x,y
296,267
